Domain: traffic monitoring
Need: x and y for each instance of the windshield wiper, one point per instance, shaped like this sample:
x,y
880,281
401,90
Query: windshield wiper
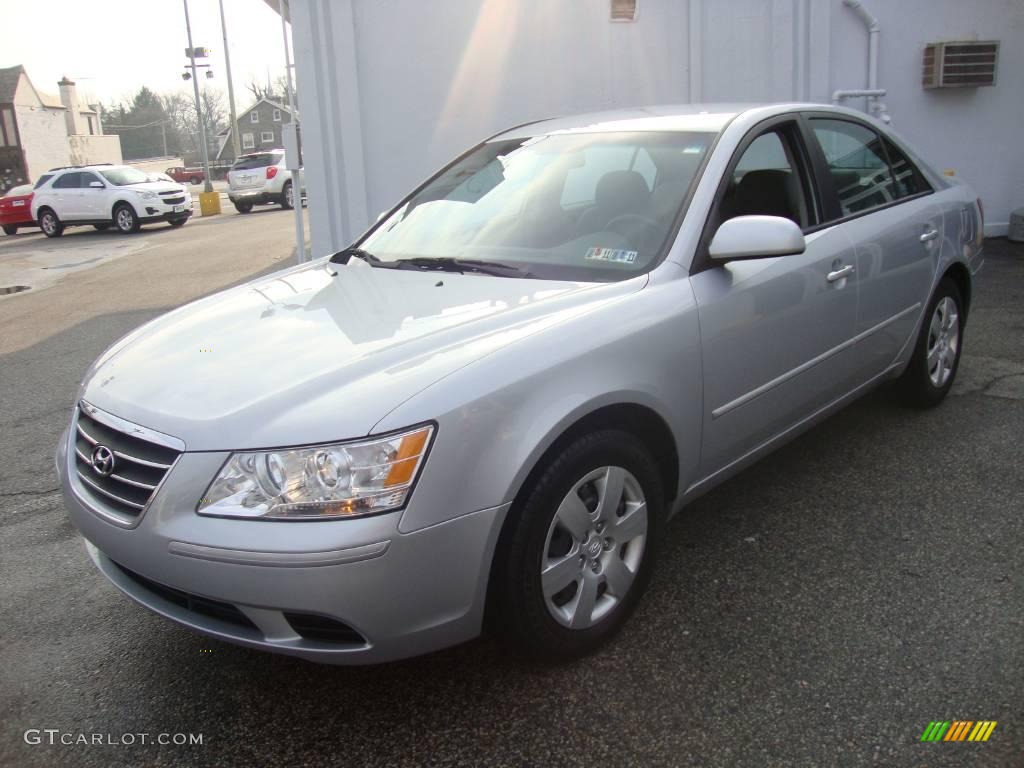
x,y
449,264
344,256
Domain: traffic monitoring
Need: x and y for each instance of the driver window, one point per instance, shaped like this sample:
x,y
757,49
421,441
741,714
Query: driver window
x,y
767,182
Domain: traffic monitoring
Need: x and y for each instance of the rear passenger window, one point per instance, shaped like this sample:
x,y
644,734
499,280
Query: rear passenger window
x,y
67,181
909,180
857,163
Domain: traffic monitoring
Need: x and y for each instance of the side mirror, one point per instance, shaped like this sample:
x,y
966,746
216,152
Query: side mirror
x,y
756,237
95,185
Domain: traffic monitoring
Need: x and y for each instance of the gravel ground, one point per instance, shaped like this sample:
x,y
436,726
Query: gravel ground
x,y
819,609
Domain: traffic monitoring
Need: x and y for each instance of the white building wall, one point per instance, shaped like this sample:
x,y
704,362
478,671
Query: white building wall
x,y
43,134
392,89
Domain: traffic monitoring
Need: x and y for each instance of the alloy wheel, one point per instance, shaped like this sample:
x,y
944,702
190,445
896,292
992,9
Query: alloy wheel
x,y
594,547
125,220
48,223
943,341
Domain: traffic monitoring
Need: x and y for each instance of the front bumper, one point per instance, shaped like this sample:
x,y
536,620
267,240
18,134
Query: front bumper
x,y
244,581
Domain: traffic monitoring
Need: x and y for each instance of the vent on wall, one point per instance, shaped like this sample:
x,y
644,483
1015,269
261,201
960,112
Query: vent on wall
x,y
624,10
960,64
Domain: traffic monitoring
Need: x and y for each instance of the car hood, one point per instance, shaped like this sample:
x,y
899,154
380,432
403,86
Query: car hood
x,y
319,352
154,186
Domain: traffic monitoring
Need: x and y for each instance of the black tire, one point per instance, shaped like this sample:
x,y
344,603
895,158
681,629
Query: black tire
x,y
286,190
125,219
177,222
918,383
517,610
196,180
50,223
101,227
243,207
10,229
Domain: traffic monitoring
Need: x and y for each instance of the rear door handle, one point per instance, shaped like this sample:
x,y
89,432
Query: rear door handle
x,y
929,235
839,274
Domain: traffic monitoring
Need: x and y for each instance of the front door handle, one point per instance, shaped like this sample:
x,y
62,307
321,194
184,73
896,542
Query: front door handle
x,y
929,235
839,274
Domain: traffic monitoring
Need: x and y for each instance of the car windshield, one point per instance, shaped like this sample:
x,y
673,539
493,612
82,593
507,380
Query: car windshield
x,y
587,206
121,177
260,160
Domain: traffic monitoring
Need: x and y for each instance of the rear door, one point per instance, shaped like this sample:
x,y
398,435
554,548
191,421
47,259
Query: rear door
x,y
775,332
67,197
875,194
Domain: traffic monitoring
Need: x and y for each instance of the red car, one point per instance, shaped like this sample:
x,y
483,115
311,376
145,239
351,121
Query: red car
x,y
16,209
181,174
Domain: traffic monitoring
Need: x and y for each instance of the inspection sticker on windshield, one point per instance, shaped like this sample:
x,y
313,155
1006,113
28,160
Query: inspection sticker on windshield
x,y
611,254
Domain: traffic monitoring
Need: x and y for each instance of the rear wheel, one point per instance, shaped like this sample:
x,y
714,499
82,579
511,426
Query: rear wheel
x,y
50,224
287,196
933,367
125,219
196,180
10,229
177,223
243,207
576,554
101,227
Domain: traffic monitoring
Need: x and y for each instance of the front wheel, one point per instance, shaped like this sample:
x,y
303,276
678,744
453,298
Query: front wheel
x,y
287,196
125,219
50,224
10,229
932,369
576,554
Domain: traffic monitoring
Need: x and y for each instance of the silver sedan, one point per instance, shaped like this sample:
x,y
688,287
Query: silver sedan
x,y
483,413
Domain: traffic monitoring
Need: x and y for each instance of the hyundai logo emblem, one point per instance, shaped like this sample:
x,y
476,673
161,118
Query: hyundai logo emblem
x,y
102,461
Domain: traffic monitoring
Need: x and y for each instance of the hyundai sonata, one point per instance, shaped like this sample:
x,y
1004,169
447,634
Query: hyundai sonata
x,y
485,410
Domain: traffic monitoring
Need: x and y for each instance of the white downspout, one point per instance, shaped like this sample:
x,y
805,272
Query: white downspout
x,y
874,28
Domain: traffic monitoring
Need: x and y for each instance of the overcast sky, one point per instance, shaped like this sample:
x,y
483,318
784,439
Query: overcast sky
x,y
112,47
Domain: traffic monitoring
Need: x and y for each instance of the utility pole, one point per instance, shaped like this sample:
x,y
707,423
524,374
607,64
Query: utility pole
x,y
208,186
300,234
231,88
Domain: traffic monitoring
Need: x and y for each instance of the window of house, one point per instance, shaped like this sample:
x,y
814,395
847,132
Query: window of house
x,y
254,117
277,115
624,10
909,180
266,137
8,136
92,125
857,164
247,141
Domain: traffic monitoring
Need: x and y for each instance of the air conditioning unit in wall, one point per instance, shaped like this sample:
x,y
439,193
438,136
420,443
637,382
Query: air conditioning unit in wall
x,y
960,64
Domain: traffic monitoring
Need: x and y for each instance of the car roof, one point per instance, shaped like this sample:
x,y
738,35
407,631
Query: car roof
x,y
671,117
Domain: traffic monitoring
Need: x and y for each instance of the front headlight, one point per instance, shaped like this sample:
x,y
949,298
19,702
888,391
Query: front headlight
x,y
145,194
324,481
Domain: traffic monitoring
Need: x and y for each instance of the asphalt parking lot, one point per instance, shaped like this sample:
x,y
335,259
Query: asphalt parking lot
x,y
818,610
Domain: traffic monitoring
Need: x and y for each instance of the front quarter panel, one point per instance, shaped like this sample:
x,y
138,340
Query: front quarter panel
x,y
497,416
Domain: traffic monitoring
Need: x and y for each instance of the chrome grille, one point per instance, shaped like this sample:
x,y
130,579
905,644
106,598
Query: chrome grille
x,y
138,464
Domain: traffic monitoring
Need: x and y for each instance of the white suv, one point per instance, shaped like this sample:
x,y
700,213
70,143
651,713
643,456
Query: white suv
x,y
260,177
104,196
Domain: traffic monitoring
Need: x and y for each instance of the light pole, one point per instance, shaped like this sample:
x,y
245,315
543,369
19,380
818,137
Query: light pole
x,y
208,186
231,87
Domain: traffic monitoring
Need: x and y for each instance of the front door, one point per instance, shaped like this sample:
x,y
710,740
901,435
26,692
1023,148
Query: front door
x,y
776,333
